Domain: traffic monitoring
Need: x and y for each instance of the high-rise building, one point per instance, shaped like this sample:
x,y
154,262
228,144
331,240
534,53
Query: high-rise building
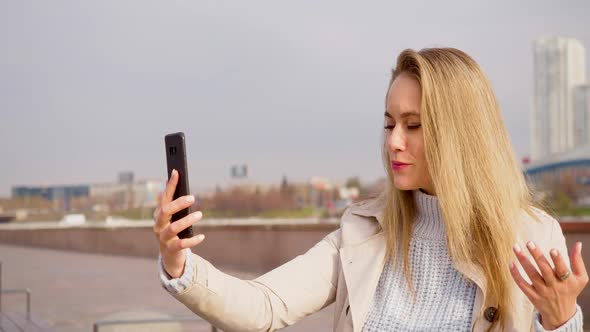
x,y
559,66
582,115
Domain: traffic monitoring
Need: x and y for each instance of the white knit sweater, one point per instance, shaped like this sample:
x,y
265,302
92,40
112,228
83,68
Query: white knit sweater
x,y
443,297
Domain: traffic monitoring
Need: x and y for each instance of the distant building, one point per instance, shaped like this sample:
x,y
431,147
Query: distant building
x,y
126,177
121,195
582,115
57,194
239,171
559,66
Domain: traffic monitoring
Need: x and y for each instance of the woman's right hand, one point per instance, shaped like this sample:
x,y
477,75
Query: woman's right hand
x,y
171,246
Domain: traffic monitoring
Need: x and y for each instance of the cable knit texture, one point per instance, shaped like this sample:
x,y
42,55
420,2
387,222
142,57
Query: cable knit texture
x,y
443,297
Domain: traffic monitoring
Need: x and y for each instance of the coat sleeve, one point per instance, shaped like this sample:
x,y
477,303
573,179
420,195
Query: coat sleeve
x,y
274,300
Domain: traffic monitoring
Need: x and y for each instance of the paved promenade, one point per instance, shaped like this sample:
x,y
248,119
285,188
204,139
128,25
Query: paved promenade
x,y
70,291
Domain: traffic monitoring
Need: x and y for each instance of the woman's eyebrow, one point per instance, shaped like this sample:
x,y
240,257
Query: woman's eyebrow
x,y
403,115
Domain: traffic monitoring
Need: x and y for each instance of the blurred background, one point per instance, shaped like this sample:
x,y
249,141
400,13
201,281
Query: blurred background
x,y
282,106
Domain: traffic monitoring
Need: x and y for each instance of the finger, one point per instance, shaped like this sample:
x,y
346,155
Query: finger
x,y
164,213
176,205
170,188
190,242
177,244
578,266
542,262
156,213
178,226
526,288
528,267
561,268
159,223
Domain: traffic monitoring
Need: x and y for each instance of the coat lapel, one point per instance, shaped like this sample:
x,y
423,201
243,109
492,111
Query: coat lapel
x,y
362,263
476,275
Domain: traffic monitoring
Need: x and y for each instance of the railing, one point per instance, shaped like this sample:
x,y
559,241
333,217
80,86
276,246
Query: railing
x,y
98,324
15,291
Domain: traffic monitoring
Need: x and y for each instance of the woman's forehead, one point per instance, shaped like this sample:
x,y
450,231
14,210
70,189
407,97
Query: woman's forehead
x,y
404,97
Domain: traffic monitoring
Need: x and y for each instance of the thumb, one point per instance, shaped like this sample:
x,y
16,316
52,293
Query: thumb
x,y
578,266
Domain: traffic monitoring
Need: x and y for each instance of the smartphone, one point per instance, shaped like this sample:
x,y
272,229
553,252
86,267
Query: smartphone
x,y
176,159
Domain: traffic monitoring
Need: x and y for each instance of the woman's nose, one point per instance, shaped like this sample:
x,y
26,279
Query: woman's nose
x,y
396,140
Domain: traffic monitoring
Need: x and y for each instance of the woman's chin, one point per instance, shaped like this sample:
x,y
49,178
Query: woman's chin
x,y
402,185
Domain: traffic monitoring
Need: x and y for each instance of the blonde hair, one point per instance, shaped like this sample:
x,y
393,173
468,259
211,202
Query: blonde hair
x,y
477,179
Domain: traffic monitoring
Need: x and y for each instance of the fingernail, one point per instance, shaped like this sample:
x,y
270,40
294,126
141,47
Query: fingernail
x,y
531,245
580,247
200,237
517,248
554,253
190,198
174,172
511,265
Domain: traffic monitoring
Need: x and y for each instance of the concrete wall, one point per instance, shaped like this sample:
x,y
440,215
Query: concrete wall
x,y
252,248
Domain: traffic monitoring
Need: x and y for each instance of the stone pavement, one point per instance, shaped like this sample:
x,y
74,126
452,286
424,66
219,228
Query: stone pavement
x,y
70,291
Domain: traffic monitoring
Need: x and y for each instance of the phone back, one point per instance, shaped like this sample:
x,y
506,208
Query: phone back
x,y
176,159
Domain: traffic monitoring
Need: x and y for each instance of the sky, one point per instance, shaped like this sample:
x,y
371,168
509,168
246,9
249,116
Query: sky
x,y
294,88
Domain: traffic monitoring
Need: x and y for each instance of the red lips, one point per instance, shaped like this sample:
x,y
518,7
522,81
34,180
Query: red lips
x,y
397,165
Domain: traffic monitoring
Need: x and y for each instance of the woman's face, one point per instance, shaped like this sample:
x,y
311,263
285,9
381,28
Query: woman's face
x,y
404,136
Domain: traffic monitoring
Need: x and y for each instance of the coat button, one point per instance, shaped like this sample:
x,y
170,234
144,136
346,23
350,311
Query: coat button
x,y
490,314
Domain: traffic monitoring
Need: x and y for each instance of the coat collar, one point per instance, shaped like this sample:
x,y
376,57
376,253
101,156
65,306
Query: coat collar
x,y
362,275
372,207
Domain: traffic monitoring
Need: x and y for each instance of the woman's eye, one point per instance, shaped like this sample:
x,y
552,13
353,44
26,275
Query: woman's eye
x,y
410,126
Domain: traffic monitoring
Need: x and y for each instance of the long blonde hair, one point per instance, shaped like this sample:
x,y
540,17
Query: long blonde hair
x,y
477,179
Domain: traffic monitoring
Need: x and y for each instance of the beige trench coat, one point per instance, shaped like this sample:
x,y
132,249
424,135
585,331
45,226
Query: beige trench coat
x,y
343,268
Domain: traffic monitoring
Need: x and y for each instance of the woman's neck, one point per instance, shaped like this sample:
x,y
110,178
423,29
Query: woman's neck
x,y
429,222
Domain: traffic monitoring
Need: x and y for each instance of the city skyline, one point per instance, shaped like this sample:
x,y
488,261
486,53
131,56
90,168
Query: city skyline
x,y
90,89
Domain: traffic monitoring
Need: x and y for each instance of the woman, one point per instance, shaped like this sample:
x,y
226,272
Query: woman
x,y
438,250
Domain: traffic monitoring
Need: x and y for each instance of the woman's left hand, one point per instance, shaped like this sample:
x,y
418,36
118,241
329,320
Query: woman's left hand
x,y
553,292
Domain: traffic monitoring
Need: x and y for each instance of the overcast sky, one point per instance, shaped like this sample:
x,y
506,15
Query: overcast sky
x,y
88,89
